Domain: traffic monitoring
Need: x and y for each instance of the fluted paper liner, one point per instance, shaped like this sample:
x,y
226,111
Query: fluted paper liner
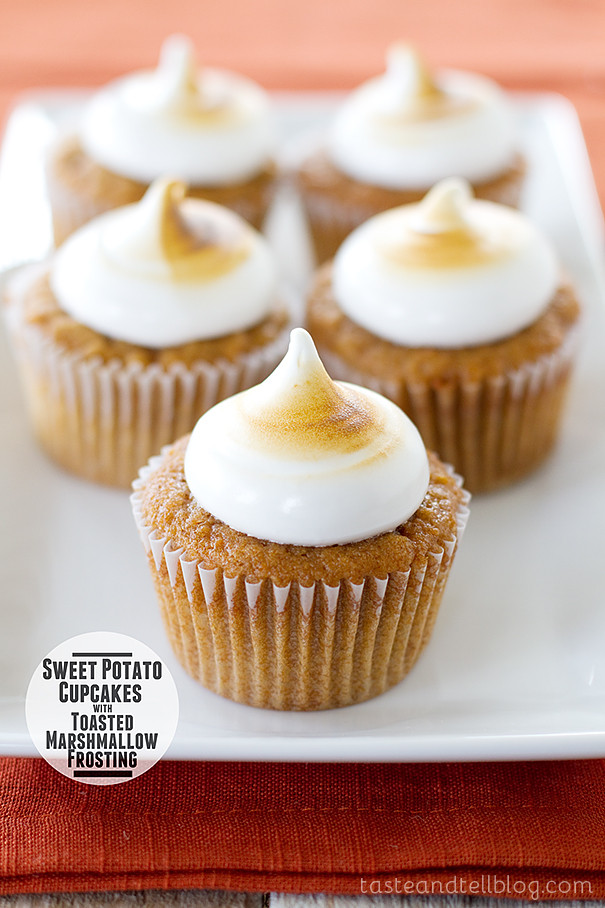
x,y
295,647
495,431
103,420
70,210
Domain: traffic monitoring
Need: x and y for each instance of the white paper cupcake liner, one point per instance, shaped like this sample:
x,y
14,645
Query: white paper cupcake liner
x,y
493,431
254,211
330,222
69,209
103,420
295,647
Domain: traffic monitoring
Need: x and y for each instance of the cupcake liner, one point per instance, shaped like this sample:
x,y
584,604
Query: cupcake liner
x,y
330,221
507,192
299,646
493,431
103,420
70,209
253,209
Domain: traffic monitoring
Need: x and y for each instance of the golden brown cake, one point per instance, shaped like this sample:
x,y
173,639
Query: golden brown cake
x,y
211,129
291,625
102,404
400,133
490,408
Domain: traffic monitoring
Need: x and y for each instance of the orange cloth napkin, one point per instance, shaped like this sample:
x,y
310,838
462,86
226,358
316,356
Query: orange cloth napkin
x,y
526,830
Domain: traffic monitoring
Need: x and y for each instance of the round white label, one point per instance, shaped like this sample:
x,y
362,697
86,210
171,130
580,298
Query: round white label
x,y
102,708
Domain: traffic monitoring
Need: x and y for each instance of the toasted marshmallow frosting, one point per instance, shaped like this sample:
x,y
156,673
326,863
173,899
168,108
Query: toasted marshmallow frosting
x,y
210,128
166,271
407,129
304,460
450,271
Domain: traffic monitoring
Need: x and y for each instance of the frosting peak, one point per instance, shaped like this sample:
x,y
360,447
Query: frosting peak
x,y
406,67
449,271
177,76
409,76
168,236
183,92
210,127
299,411
445,230
304,460
166,271
409,128
443,209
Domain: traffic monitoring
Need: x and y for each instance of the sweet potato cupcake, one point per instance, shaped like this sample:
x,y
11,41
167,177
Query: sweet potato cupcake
x,y
399,134
142,320
454,308
212,129
300,540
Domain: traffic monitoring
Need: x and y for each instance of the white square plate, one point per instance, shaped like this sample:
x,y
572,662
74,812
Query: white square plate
x,y
516,666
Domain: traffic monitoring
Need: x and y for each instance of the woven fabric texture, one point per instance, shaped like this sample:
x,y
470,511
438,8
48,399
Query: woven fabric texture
x,y
305,827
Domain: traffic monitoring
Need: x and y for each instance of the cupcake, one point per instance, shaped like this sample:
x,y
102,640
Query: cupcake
x,y
142,320
211,129
299,540
454,308
399,134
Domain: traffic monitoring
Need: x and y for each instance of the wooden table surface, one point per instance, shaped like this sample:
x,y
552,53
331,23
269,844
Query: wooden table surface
x,y
555,45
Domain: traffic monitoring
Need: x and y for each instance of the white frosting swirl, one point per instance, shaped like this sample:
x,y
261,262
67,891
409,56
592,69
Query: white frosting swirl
x,y
301,459
450,271
406,130
166,271
208,129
